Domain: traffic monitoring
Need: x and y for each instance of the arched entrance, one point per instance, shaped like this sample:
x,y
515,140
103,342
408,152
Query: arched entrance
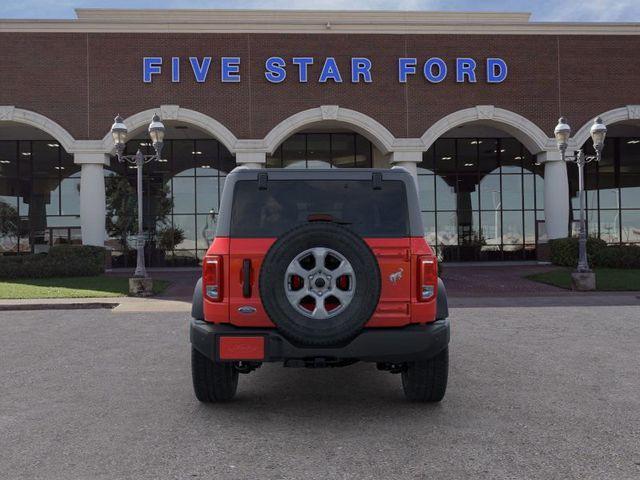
x,y
481,195
181,196
39,185
612,185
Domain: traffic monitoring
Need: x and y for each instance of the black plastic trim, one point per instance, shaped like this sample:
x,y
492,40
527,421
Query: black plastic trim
x,y
197,305
442,305
411,343
246,278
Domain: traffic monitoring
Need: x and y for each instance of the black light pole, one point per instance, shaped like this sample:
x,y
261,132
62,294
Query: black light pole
x,y
598,133
156,132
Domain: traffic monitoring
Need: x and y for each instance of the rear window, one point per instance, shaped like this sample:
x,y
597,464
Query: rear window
x,y
287,203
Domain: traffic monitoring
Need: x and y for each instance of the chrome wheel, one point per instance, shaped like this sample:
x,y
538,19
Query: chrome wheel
x,y
319,283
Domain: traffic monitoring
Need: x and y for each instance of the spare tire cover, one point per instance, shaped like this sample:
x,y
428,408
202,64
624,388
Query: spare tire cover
x,y
319,284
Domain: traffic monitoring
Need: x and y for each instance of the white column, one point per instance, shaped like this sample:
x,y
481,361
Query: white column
x,y
556,194
92,197
407,160
251,159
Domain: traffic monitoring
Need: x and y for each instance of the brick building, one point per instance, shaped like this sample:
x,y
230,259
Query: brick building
x,y
466,101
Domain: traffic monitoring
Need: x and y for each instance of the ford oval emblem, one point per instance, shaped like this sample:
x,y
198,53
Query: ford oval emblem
x,y
247,310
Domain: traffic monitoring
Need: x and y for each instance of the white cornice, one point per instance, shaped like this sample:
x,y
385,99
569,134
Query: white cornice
x,y
297,21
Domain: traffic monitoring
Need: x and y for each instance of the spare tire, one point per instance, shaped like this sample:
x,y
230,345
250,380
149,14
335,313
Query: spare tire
x,y
319,284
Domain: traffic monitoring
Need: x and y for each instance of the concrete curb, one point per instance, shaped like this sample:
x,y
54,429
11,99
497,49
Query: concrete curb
x,y
57,306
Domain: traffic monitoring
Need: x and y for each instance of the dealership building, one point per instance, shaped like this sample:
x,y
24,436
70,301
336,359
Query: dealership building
x,y
467,102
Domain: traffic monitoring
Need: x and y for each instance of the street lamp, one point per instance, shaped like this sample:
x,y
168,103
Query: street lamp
x,y
598,133
119,133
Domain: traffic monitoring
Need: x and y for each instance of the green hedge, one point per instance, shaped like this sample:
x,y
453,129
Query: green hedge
x,y
61,261
564,252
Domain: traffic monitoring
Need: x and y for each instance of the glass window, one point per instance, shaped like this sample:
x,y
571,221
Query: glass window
x,y
512,228
187,223
511,192
428,161
446,156
294,151
70,196
184,152
490,192
511,155
275,160
426,189
629,155
445,194
183,190
8,159
45,157
630,226
206,157
429,224
467,155
488,158
343,149
610,226
630,191
270,212
363,152
319,148
447,228
207,197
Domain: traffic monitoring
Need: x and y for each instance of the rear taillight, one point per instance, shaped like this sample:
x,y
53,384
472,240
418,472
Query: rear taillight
x,y
427,277
212,277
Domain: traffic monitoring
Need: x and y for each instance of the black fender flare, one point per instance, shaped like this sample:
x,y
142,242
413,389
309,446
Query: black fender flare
x,y
197,305
442,304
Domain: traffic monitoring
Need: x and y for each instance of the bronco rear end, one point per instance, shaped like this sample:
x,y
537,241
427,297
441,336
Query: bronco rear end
x,y
319,268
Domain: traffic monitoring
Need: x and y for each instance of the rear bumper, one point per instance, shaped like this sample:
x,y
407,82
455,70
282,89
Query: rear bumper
x,y
395,345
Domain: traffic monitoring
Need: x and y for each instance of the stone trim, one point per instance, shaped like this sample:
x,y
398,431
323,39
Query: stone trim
x,y
531,136
177,113
382,138
629,112
10,113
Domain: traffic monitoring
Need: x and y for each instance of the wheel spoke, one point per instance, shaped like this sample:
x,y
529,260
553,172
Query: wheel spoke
x,y
319,254
344,296
296,269
320,312
344,268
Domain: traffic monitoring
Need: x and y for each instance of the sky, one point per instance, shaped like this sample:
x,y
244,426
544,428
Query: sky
x,y
542,10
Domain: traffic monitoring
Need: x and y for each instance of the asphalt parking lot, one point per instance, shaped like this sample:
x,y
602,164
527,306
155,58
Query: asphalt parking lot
x,y
551,392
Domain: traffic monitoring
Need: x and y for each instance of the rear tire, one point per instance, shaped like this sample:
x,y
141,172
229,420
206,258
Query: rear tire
x,y
426,381
213,381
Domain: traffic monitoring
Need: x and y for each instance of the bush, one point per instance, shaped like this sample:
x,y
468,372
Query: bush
x,y
61,261
618,256
564,251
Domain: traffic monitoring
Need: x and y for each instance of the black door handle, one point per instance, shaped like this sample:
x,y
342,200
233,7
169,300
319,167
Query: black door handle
x,y
246,278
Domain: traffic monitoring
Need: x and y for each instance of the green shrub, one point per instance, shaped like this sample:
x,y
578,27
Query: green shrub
x,y
564,251
61,261
618,256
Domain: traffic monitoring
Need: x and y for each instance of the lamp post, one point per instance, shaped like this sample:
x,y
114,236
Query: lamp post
x,y
598,133
119,133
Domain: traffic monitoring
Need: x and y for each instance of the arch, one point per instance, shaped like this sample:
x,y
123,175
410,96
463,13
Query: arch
x,y
9,113
527,132
177,113
629,112
382,138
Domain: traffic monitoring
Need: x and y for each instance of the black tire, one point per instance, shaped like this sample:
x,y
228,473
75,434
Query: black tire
x,y
426,381
212,381
345,325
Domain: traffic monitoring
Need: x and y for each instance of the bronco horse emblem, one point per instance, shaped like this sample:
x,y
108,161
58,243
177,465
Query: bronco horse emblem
x,y
396,276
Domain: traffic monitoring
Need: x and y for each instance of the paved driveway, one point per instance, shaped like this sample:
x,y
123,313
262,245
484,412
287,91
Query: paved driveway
x,y
534,393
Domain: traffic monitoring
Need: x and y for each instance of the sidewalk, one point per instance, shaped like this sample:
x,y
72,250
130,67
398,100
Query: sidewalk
x,y
494,286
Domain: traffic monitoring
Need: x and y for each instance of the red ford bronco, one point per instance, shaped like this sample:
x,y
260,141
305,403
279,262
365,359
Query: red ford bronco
x,y
319,268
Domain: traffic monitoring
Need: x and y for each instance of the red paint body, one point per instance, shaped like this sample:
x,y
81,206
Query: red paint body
x,y
398,305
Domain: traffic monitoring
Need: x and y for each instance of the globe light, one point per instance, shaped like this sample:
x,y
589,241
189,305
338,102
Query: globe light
x,y
119,133
156,132
598,133
562,133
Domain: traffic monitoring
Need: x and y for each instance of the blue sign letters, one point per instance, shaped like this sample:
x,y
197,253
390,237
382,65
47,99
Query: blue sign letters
x,y
434,69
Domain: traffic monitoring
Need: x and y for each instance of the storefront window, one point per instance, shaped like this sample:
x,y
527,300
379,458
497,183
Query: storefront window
x,y
39,196
481,198
612,192
323,150
181,194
